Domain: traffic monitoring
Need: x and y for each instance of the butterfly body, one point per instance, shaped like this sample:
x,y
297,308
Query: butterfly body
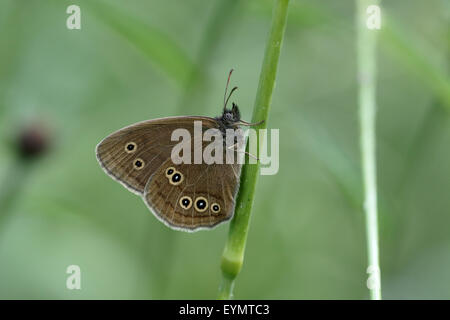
x,y
186,197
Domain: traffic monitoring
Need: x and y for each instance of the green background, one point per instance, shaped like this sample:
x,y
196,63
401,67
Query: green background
x,y
137,60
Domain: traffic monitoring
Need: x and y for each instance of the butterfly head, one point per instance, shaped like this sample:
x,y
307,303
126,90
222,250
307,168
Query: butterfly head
x,y
230,117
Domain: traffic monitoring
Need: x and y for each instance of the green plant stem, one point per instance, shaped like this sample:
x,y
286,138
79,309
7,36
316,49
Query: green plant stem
x,y
366,45
233,254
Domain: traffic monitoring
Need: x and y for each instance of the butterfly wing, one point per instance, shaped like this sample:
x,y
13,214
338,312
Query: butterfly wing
x,y
149,143
179,204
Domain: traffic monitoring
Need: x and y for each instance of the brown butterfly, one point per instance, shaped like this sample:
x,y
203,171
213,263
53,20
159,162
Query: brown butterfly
x,y
186,197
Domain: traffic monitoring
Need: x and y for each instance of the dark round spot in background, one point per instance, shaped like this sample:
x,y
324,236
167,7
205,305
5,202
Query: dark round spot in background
x,y
130,147
201,204
33,141
138,163
176,177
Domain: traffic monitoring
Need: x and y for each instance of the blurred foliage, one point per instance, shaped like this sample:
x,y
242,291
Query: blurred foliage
x,y
132,60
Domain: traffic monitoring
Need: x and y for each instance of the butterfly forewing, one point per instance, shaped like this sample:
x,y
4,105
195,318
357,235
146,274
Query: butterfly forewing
x,y
151,146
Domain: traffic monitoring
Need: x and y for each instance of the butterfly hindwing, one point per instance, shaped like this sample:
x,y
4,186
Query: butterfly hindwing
x,y
174,201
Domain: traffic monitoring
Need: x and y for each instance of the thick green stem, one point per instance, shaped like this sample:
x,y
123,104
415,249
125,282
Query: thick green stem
x,y
366,45
233,255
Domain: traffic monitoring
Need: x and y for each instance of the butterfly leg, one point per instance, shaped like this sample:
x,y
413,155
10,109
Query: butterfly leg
x,y
247,153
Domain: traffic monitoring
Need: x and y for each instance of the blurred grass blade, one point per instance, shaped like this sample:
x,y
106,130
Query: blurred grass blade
x,y
11,188
233,254
335,161
217,23
396,41
366,59
153,43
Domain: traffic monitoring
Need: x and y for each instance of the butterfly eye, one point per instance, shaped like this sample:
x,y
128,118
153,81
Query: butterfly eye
x,y
186,202
201,204
176,178
139,164
215,208
170,171
130,147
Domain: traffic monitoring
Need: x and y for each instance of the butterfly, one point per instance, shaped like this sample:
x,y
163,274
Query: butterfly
x,y
184,196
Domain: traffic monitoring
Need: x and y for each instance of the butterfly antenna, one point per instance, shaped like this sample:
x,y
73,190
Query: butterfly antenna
x,y
225,100
231,92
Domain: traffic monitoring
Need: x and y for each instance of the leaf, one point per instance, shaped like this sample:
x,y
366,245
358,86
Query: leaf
x,y
153,43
